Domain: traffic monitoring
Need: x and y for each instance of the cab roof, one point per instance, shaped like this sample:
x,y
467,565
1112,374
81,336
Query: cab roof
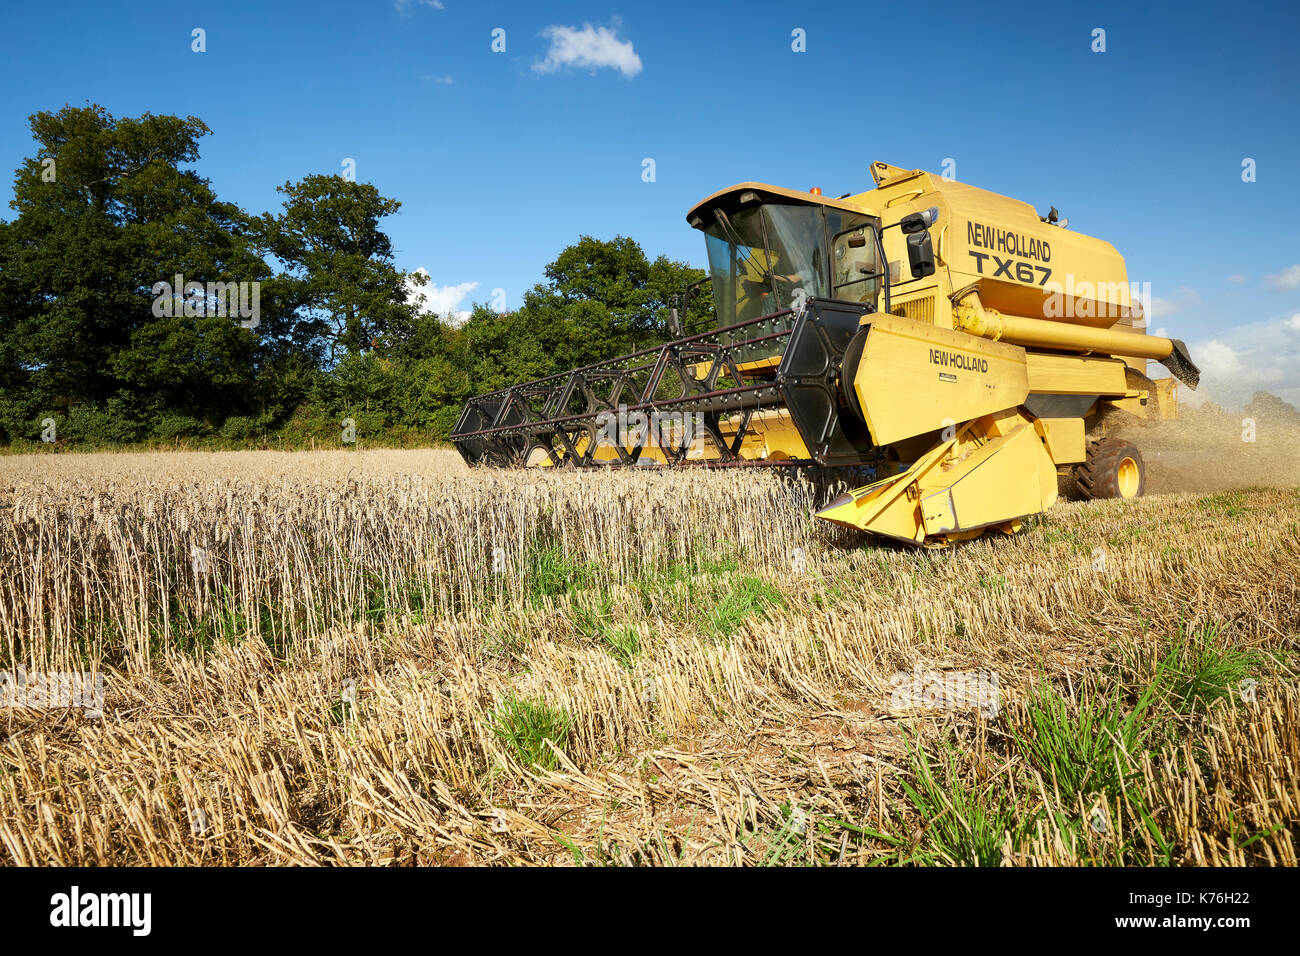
x,y
730,198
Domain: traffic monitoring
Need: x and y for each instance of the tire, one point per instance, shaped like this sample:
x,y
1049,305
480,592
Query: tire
x,y
849,370
1114,469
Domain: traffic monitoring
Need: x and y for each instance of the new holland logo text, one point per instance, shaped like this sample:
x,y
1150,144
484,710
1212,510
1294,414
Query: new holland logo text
x,y
1013,244
1004,240
966,363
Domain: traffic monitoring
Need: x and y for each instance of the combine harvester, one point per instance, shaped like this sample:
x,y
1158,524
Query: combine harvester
x,y
940,335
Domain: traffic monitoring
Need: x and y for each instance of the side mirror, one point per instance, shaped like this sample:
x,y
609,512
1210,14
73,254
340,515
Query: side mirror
x,y
920,254
919,221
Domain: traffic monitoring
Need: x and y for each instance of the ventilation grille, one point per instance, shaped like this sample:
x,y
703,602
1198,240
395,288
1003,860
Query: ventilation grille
x,y
918,310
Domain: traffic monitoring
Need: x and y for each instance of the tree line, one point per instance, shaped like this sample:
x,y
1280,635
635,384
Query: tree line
x,y
138,306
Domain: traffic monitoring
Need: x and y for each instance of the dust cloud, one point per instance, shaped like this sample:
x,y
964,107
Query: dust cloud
x,y
1207,450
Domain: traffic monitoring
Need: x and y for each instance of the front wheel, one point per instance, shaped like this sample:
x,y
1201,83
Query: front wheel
x,y
1114,469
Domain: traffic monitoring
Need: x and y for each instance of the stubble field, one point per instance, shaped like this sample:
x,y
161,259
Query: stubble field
x,y
382,657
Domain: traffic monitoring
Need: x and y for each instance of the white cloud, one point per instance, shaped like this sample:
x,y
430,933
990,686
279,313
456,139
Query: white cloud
x,y
440,300
445,79
1241,360
407,7
1288,278
1217,360
592,48
1238,277
1185,298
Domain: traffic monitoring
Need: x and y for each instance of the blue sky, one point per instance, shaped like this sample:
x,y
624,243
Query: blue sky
x,y
502,159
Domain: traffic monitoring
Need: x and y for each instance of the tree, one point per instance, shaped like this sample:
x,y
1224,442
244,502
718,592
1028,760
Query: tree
x,y
339,262
616,274
601,299
119,274
105,213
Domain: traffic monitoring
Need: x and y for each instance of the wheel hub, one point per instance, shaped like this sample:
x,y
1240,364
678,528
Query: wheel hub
x,y
1128,478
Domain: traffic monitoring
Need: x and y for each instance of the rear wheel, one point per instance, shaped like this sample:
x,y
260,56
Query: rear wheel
x,y
1114,469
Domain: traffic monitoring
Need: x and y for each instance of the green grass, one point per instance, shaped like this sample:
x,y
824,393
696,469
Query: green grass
x,y
1199,670
782,845
549,573
597,625
1079,750
1086,749
678,572
341,711
624,644
740,600
1229,504
1126,536
826,596
525,726
962,825
503,640
1099,845
706,597
1086,754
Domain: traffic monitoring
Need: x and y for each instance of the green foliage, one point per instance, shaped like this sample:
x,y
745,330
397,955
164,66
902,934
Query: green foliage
x,y
86,326
525,726
172,425
624,644
88,331
1229,504
597,624
784,845
340,263
112,423
238,427
337,334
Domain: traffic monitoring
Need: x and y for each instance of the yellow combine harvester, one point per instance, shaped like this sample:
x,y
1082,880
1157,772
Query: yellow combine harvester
x,y
948,341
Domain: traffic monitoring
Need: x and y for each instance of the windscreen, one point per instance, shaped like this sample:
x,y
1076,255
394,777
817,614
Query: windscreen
x,y
765,258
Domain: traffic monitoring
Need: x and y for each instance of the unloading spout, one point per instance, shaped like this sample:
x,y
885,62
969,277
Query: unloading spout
x,y
970,315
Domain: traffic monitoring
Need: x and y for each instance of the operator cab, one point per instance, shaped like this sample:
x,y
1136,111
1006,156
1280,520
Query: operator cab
x,y
770,248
